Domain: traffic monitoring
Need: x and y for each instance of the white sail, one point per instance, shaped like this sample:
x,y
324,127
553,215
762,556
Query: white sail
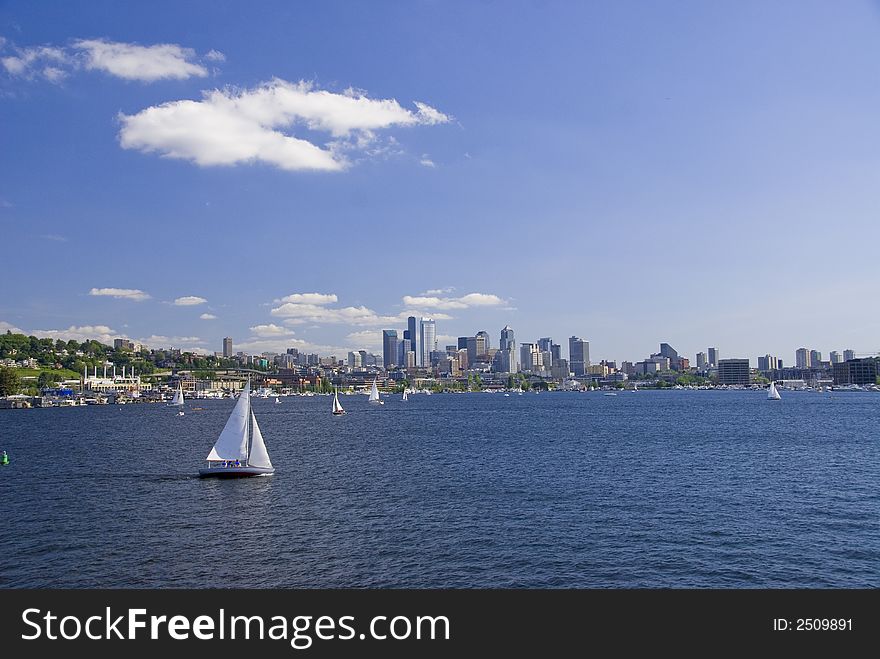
x,y
337,408
178,396
233,441
374,393
259,456
404,394
772,393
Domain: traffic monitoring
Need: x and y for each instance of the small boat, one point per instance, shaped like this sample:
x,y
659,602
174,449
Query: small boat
x,y
609,393
180,413
4,458
277,400
240,449
337,408
507,395
772,392
374,394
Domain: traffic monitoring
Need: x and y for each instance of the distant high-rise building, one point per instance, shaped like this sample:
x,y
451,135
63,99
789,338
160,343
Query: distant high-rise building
x,y
815,358
802,358
544,344
507,348
404,347
670,353
483,343
413,329
701,360
227,347
529,356
427,341
849,354
713,357
768,363
389,348
354,359
733,371
835,357
578,356
462,342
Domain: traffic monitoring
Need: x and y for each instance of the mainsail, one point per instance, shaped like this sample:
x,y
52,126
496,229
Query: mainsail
x,y
178,396
374,393
233,441
772,393
337,408
259,455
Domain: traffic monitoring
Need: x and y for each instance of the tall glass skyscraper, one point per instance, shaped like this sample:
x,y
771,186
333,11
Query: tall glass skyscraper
x,y
427,341
507,348
413,330
578,355
389,348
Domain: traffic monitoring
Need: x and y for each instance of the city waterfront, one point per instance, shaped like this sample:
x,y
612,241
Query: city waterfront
x,y
681,488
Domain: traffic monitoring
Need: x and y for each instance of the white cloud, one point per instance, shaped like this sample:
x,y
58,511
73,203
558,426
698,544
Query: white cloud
x,y
160,341
426,161
265,331
439,291
367,339
321,314
231,126
208,316
310,298
54,237
215,56
4,326
134,294
256,345
463,302
82,333
189,301
37,62
146,63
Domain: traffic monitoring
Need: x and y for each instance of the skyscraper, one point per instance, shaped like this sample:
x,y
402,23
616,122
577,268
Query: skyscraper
x,y
713,357
462,342
802,358
507,350
507,339
413,330
701,360
389,348
815,358
482,342
578,356
227,347
835,357
849,354
427,341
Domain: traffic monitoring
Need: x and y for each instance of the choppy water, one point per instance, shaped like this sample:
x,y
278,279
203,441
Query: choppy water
x,y
646,489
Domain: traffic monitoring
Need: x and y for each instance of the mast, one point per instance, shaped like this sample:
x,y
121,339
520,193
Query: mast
x,y
248,426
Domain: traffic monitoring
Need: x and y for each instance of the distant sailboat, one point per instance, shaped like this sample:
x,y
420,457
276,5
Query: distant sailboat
x,y
277,400
772,393
404,395
240,449
337,408
374,394
178,399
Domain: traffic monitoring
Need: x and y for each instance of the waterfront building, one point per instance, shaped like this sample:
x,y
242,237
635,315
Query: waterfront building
x,y
733,371
578,356
802,358
389,348
227,347
713,357
856,371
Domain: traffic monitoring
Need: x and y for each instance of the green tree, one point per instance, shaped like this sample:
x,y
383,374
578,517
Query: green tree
x,y
47,379
9,382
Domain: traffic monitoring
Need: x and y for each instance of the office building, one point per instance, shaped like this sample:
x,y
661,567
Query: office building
x,y
413,331
427,341
856,371
578,356
835,357
354,360
849,355
670,353
713,357
815,358
389,348
227,347
507,349
768,363
802,358
701,361
733,371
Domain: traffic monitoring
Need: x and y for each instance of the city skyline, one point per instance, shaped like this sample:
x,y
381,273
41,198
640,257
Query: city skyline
x,y
634,155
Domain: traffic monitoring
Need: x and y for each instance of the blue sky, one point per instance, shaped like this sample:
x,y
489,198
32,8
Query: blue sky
x,y
630,172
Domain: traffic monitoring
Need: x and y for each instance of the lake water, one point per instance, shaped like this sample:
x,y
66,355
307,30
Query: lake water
x,y
644,489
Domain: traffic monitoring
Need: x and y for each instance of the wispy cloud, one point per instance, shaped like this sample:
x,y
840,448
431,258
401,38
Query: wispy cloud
x,y
208,316
235,126
4,327
270,330
129,61
310,298
134,294
54,237
145,63
426,161
463,302
189,301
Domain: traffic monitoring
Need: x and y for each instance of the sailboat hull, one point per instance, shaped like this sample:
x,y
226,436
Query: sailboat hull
x,y
235,472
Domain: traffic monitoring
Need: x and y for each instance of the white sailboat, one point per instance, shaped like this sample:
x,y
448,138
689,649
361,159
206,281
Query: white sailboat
x,y
337,408
178,399
240,449
773,393
404,395
374,394
277,400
